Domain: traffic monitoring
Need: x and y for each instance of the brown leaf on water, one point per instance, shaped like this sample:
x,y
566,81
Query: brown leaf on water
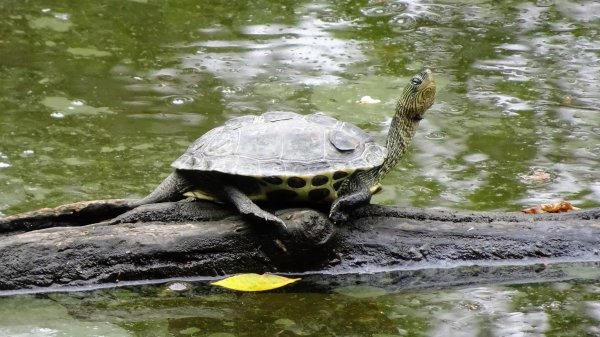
x,y
559,207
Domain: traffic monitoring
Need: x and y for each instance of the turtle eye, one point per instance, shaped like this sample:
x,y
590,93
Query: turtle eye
x,y
416,81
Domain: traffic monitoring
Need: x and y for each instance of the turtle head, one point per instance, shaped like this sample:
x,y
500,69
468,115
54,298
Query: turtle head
x,y
417,97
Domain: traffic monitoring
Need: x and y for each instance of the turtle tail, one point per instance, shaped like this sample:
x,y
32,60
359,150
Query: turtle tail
x,y
171,189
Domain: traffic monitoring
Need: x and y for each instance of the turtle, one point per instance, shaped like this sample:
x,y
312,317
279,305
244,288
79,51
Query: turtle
x,y
286,157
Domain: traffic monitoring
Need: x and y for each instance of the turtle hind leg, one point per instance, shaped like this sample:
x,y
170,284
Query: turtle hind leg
x,y
353,194
249,209
170,189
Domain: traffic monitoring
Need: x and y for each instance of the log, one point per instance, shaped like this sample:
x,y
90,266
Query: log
x,y
71,246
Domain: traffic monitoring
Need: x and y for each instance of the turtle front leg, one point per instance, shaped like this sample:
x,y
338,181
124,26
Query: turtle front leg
x,y
353,194
249,209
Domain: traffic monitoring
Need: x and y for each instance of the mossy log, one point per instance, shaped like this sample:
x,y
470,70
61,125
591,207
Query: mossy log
x,y
71,246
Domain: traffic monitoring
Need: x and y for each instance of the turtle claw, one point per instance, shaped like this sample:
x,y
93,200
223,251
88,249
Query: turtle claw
x,y
276,222
336,215
251,211
338,218
266,218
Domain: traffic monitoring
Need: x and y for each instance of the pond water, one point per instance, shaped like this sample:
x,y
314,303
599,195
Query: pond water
x,y
97,99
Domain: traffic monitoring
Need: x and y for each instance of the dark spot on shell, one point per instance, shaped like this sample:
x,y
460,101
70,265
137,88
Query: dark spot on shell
x,y
318,194
339,175
273,180
249,186
319,180
281,195
337,184
296,182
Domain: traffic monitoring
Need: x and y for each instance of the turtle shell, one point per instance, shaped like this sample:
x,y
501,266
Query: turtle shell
x,y
283,144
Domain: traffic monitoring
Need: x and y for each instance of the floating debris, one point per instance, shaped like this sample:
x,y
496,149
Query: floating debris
x,y
536,176
368,100
559,207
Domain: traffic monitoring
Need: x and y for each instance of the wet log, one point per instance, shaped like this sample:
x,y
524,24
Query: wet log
x,y
67,246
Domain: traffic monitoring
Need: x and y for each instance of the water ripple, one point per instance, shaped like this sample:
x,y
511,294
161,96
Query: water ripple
x,y
179,99
305,53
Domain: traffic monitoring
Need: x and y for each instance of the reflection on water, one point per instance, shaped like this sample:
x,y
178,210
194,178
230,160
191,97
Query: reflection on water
x,y
196,309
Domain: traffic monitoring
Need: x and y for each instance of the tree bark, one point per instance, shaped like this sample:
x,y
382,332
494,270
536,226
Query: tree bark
x,y
67,246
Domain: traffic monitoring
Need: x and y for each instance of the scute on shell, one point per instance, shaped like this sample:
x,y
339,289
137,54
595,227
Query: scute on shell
x,y
282,144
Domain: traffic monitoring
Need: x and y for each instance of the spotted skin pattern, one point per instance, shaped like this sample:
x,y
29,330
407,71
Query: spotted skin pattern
x,y
321,188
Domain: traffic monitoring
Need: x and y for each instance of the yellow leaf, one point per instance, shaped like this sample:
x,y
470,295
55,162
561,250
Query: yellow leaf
x,y
254,282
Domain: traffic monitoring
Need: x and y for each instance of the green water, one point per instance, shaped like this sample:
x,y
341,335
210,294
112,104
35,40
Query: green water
x,y
97,99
